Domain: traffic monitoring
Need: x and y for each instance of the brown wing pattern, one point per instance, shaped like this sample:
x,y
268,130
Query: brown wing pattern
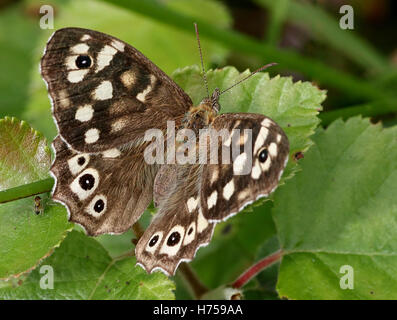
x,y
105,93
179,228
104,192
253,172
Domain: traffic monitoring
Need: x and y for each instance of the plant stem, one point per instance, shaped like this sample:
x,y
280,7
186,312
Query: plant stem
x,y
278,14
324,27
370,109
26,190
312,68
196,286
252,271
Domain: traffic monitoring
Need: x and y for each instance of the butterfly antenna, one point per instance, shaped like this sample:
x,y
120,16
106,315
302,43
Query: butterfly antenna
x,y
252,73
201,59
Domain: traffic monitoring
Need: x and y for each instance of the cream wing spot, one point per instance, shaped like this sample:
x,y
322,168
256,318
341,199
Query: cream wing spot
x,y
70,62
76,76
97,206
256,171
266,122
215,174
173,241
85,183
78,163
118,45
190,234
243,194
84,113
104,91
212,199
154,242
239,162
202,223
105,56
86,37
128,79
91,135
260,139
63,99
80,48
228,190
273,150
228,141
243,139
192,203
266,165
111,153
118,125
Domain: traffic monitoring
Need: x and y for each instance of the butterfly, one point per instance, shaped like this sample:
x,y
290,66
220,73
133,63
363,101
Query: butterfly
x,y
105,95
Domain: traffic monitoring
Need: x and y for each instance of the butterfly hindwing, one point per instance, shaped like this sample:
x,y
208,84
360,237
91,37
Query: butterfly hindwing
x,y
104,192
178,229
253,172
105,93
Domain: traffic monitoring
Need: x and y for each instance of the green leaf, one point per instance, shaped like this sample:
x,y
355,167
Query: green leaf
x,y
83,269
26,238
24,155
341,210
167,47
294,106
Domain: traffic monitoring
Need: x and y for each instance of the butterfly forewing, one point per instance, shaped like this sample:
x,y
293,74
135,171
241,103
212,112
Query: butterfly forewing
x,y
253,171
106,93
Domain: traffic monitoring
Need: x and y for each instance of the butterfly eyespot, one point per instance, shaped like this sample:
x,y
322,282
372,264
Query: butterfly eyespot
x,y
173,239
83,62
153,241
99,205
263,155
87,181
80,161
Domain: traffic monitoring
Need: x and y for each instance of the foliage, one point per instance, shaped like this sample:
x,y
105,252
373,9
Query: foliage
x,y
341,210
293,105
334,207
25,238
84,270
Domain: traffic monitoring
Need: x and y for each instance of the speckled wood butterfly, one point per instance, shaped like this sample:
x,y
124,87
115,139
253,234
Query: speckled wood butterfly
x,y
105,96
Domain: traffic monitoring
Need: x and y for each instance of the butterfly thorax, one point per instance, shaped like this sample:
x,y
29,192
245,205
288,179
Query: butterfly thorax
x,y
201,116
